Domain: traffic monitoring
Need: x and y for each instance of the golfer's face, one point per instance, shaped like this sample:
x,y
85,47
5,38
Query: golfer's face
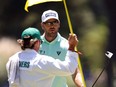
x,y
51,26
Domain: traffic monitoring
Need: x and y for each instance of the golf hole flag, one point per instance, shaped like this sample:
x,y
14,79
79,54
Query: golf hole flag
x,y
34,2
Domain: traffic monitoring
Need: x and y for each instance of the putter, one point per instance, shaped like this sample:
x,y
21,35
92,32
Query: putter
x,y
109,55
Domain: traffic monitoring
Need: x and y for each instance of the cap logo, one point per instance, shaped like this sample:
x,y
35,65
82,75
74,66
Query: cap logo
x,y
50,14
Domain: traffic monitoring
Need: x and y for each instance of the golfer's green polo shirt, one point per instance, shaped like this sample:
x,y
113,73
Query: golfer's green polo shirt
x,y
57,49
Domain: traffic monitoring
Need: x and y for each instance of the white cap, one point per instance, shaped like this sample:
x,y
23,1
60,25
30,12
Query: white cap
x,y
49,14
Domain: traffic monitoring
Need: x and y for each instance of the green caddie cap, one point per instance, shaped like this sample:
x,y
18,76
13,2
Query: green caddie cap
x,y
31,32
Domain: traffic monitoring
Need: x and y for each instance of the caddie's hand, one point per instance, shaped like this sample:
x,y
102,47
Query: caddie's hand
x,y
73,42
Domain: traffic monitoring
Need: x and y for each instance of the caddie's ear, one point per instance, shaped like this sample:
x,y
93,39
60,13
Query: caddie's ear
x,y
37,45
20,41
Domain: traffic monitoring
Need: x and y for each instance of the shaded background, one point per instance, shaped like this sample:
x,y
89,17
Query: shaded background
x,y
92,20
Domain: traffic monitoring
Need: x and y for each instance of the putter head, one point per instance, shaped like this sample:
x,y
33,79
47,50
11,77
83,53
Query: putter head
x,y
109,54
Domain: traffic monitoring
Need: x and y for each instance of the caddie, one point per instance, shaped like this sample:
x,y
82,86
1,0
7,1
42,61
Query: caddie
x,y
27,68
